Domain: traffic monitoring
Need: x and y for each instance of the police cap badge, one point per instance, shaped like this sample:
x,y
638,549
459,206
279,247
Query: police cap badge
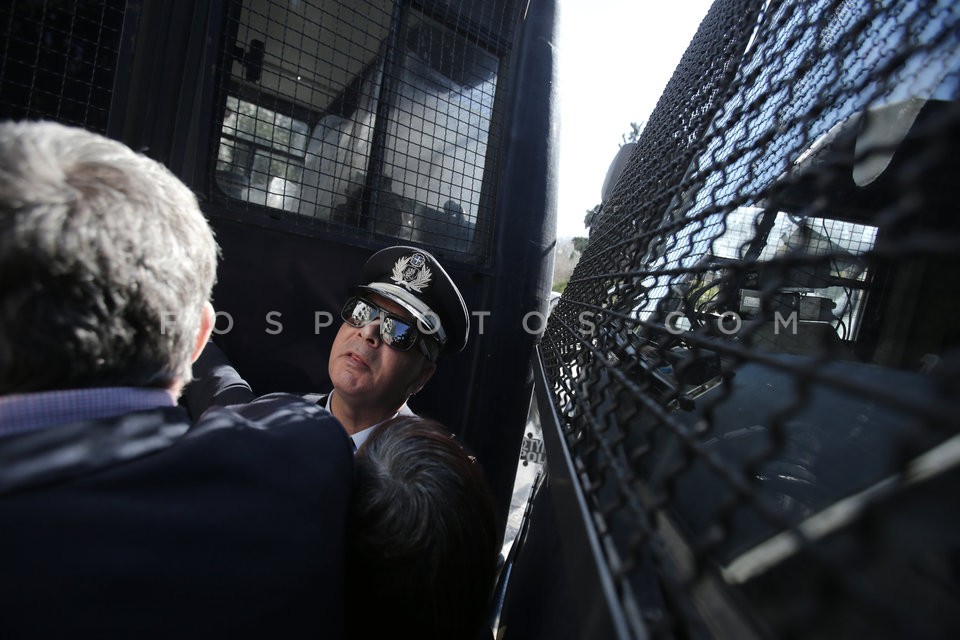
x,y
413,278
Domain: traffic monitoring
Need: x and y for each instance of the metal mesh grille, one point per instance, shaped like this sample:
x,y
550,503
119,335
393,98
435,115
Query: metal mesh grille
x,y
59,60
375,118
756,360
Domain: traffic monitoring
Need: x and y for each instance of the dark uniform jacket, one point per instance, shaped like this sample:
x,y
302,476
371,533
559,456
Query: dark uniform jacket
x,y
145,526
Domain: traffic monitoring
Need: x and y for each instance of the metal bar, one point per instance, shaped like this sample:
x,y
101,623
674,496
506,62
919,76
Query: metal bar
x,y
600,613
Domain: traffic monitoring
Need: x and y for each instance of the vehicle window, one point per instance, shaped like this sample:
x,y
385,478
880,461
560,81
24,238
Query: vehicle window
x,y
259,149
829,291
61,61
361,120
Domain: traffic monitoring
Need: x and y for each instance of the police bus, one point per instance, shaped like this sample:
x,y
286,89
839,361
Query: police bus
x,y
741,418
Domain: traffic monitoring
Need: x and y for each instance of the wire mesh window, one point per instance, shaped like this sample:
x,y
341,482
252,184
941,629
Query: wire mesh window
x,y
757,360
375,118
59,60
260,145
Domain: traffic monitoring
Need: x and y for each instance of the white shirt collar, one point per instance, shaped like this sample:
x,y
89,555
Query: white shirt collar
x,y
361,436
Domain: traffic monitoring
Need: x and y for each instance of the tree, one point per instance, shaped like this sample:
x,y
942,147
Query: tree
x,y
588,219
565,259
634,134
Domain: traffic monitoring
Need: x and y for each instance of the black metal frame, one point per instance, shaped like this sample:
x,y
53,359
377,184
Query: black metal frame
x,y
588,573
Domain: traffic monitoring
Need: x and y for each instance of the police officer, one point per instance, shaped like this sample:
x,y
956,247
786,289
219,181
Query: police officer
x,y
405,314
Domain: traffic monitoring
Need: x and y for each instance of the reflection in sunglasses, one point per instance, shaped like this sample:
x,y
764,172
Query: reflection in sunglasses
x,y
395,332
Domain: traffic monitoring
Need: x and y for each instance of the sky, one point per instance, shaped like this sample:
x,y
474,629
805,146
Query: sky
x,y
614,57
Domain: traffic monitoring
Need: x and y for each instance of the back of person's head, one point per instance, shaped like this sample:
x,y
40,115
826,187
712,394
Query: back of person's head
x,y
422,542
106,263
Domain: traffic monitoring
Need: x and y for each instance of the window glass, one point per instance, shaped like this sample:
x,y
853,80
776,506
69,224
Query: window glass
x,y
437,138
830,290
331,117
260,150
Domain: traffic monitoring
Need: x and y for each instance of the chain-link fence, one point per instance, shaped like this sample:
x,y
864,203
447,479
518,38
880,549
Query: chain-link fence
x,y
756,361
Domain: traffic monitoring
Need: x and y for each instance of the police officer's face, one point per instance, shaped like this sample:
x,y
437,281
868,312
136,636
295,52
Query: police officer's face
x,y
364,370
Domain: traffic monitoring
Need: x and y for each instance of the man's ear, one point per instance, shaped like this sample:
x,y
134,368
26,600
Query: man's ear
x,y
207,318
425,374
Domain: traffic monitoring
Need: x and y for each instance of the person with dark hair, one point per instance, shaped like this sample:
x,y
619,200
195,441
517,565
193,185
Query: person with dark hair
x,y
119,517
422,545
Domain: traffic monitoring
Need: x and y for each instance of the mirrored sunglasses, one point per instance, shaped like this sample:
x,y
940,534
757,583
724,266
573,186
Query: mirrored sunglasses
x,y
395,332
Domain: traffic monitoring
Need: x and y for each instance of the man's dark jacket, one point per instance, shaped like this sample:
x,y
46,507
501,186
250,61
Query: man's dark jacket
x,y
145,526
